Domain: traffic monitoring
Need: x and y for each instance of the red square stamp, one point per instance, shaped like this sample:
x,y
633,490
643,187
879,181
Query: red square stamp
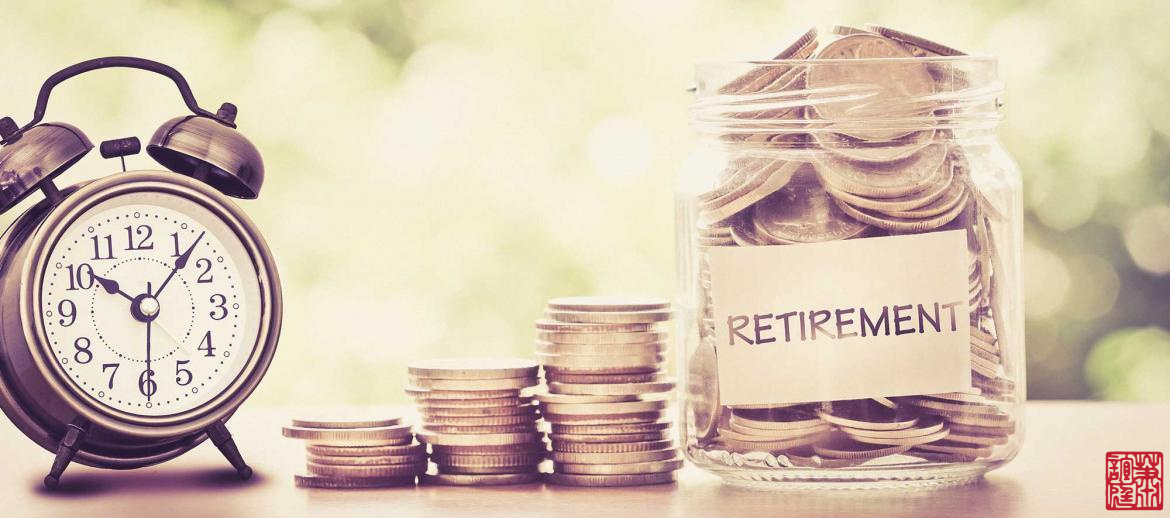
x,y
1133,480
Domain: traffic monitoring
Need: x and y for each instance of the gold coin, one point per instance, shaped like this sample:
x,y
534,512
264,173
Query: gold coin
x,y
451,479
977,419
641,349
428,411
956,448
612,389
911,441
610,447
899,224
613,458
951,406
660,466
728,434
488,429
336,423
984,367
604,419
611,428
940,457
898,203
845,30
739,446
473,368
913,175
962,397
627,407
499,460
422,394
601,338
502,402
1005,428
774,434
644,479
660,435
888,87
461,385
703,403
323,435
867,415
577,399
955,195
366,451
548,324
496,420
487,470
653,368
802,212
928,48
768,181
841,447
777,419
926,427
593,317
498,450
320,482
430,437
367,461
608,303
392,470
558,376
759,78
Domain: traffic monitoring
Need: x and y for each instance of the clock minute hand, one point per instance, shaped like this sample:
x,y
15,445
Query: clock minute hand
x,y
180,263
111,287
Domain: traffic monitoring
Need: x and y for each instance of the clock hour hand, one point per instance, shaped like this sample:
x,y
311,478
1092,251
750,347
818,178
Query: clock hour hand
x,y
111,287
180,263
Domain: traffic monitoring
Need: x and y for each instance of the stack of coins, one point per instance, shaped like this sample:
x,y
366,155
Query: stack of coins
x,y
357,453
606,403
479,421
843,169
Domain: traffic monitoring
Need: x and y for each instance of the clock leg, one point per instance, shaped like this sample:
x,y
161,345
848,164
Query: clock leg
x,y
222,439
67,448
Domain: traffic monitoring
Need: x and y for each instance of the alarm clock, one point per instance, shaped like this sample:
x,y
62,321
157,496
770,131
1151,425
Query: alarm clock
x,y
137,311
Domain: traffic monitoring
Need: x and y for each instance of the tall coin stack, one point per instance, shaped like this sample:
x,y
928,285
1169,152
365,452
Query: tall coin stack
x,y
358,453
607,398
478,420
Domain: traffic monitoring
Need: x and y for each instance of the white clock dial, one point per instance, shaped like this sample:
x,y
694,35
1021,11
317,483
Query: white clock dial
x,y
151,304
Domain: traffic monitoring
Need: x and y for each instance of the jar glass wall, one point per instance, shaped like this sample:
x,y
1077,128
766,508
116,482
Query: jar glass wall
x,y
849,273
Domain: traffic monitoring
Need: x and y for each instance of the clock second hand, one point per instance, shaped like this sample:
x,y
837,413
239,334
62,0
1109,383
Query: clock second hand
x,y
149,373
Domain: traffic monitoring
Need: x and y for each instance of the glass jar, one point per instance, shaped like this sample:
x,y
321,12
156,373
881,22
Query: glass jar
x,y
849,274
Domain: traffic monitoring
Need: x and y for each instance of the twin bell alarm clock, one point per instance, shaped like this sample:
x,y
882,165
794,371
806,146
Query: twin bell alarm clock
x,y
138,310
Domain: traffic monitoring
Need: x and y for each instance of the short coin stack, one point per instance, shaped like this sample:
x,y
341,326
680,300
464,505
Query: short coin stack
x,y
606,404
358,453
480,425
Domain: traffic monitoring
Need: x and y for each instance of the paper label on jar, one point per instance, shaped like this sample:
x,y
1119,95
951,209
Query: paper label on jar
x,y
851,319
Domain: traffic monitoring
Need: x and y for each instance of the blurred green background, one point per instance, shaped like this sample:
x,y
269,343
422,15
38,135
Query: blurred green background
x,y
437,169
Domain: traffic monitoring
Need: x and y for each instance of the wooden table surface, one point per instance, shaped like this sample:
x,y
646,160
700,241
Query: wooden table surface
x,y
1060,472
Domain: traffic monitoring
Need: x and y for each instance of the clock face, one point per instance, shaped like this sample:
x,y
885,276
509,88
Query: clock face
x,y
151,304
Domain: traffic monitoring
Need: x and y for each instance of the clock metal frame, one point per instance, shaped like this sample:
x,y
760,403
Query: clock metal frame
x,y
35,392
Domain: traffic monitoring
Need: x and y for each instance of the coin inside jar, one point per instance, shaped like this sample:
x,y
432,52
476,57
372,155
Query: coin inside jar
x,y
892,83
802,212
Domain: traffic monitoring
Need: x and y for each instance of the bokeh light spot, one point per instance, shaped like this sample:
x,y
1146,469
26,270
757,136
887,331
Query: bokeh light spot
x,y
1146,235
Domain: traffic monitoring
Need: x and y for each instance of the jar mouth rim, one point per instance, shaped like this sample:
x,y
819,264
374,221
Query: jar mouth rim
x,y
970,58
